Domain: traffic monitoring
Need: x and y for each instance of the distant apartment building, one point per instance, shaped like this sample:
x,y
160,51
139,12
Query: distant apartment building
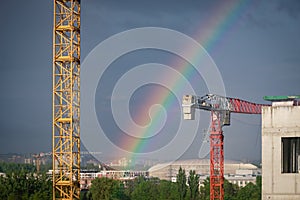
x,y
28,161
123,162
281,150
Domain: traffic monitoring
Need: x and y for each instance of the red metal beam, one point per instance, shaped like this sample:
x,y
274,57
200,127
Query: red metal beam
x,y
241,106
216,157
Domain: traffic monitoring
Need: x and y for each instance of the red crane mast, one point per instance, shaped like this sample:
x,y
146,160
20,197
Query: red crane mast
x,y
220,108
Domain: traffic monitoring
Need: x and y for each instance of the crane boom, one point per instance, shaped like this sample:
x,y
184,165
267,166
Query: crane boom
x,y
213,102
220,108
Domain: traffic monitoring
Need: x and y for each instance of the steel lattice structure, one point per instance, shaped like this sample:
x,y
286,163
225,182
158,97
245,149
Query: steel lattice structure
x,y
66,99
220,108
216,157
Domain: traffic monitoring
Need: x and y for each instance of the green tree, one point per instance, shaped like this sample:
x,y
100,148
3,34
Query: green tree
x,y
250,191
85,195
168,190
146,190
45,167
230,190
193,181
10,168
23,185
204,190
258,185
181,183
107,189
132,184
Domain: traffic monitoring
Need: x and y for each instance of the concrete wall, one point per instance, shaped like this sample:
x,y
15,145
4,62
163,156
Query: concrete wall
x,y
278,122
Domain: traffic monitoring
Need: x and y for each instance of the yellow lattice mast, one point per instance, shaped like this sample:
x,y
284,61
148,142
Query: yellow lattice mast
x,y
66,99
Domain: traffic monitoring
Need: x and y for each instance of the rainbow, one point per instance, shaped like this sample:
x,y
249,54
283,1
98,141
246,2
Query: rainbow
x,y
210,35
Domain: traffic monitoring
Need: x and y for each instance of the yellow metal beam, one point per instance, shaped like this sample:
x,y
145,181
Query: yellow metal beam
x,y
66,100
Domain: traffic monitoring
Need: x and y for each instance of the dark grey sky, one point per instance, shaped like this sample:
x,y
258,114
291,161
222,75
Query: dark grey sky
x,y
257,54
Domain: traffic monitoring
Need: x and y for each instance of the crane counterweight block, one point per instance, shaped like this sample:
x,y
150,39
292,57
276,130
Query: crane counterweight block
x,y
188,107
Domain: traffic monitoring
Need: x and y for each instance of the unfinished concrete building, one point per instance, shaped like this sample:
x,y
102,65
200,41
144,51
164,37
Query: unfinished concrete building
x,y
281,149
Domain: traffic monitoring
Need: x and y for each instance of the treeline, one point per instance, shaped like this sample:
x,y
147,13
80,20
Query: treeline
x,y
21,182
6,167
234,192
153,188
9,168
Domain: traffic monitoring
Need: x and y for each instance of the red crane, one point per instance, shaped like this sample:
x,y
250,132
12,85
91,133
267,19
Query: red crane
x,y
220,108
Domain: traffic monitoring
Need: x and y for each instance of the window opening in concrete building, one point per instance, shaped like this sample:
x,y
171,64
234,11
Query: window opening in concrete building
x,y
290,154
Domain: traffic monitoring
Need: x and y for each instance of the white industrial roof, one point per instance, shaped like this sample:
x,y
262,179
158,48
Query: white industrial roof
x,y
194,162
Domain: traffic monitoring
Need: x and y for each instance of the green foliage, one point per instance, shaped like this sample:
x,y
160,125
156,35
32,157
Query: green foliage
x,y
146,190
251,191
85,195
230,190
21,183
258,185
25,186
138,189
248,192
9,168
167,190
204,190
193,181
233,192
181,183
45,168
107,189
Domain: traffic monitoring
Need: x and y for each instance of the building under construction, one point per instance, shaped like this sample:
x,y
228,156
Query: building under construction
x,y
281,148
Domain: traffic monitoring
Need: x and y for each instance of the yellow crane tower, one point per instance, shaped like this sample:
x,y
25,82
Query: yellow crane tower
x,y
66,100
